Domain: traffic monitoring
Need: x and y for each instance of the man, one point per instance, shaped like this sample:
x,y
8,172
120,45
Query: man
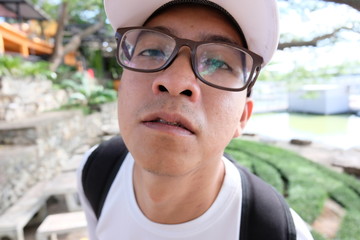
x,y
188,71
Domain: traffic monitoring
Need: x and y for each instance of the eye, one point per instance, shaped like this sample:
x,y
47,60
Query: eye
x,y
217,63
212,65
152,53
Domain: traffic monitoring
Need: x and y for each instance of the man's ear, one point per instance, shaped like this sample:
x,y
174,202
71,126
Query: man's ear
x,y
244,117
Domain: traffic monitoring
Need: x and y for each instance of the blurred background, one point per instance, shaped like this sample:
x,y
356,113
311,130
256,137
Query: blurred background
x,y
313,80
58,81
311,88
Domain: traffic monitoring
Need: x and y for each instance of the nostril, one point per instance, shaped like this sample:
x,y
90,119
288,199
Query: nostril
x,y
187,93
162,88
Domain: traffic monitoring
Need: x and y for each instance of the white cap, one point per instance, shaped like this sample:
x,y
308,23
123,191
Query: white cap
x,y
258,19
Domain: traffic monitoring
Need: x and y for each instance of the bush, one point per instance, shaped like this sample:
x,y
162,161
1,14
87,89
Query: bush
x,y
307,185
349,229
19,67
84,95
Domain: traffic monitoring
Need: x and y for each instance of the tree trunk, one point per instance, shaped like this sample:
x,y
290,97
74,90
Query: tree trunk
x,y
75,41
57,55
59,49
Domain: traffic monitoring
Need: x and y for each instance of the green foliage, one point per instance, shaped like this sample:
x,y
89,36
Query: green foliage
x,y
86,11
261,168
345,196
241,157
79,11
9,65
84,95
299,74
306,185
115,69
19,67
96,62
270,174
66,72
349,229
317,236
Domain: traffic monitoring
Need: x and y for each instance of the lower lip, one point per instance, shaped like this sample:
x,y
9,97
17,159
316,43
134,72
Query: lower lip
x,y
166,128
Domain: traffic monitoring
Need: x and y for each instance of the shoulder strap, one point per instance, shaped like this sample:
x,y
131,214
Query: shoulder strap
x,y
266,208
100,170
265,213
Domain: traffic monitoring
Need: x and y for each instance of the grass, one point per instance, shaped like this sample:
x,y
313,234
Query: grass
x,y
306,185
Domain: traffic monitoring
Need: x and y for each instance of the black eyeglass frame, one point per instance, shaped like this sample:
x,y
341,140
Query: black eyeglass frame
x,y
193,45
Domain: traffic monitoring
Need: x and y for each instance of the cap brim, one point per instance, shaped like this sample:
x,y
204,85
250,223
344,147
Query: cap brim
x,y
258,19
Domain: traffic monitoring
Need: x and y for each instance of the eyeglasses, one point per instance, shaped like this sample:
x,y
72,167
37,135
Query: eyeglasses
x,y
218,64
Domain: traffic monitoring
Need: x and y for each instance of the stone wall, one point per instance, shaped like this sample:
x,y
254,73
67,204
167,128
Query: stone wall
x,y
36,148
36,141
20,98
17,168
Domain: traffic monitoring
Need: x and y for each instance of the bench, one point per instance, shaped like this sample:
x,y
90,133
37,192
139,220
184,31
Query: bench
x,y
60,223
15,218
64,184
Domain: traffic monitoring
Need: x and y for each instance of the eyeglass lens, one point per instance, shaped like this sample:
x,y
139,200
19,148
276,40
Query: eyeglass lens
x,y
216,63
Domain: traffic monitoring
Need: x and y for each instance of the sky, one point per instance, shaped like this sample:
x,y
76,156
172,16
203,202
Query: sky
x,y
314,23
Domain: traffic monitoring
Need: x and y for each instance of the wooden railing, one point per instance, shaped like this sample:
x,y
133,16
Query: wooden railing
x,y
13,40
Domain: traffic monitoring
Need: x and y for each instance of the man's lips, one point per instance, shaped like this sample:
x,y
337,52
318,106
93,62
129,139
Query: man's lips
x,y
176,124
176,121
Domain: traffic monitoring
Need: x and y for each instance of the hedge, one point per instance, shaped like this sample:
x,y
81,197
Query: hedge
x,y
305,184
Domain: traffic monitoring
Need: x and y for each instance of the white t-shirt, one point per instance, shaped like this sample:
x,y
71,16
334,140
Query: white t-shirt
x,y
121,217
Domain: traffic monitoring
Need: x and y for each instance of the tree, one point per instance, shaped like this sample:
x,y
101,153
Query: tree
x,y
334,34
61,50
352,3
89,13
319,41
312,42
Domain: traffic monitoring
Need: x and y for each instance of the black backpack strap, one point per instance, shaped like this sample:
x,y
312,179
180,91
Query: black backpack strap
x,y
266,208
265,215
100,170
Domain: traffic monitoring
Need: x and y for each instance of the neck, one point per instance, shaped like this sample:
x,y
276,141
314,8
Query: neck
x,y
177,199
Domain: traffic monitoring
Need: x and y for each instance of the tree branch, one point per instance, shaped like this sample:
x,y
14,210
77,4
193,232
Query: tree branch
x,y
59,49
352,3
313,42
75,41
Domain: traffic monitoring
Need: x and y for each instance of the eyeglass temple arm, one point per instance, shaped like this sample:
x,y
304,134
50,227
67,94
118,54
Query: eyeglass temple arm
x,y
249,89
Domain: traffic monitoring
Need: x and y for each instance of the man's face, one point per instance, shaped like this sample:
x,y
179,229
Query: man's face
x,y
172,123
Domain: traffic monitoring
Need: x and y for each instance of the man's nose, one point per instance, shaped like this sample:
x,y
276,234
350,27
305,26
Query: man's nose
x,y
179,78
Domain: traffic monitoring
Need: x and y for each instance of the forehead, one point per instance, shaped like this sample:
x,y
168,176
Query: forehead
x,y
195,22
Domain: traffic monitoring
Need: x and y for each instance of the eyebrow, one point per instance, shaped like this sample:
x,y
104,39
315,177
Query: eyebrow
x,y
204,36
166,30
219,38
